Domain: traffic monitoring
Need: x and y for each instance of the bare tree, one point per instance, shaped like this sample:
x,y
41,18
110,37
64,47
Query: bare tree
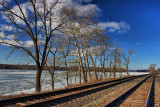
x,y
114,56
103,41
82,28
34,21
152,68
56,60
93,56
70,29
120,61
115,61
127,59
110,67
65,49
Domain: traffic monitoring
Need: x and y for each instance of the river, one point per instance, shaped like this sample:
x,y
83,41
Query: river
x,y
22,81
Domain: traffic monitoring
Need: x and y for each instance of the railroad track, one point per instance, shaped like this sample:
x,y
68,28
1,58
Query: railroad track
x,y
140,95
55,97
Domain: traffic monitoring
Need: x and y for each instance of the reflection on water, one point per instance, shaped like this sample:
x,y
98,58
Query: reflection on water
x,y
18,81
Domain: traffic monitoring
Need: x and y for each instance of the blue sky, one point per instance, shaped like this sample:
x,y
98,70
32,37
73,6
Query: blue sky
x,y
143,17
140,21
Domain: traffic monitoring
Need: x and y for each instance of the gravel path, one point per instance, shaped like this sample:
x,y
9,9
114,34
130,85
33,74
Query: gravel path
x,y
157,91
102,97
139,96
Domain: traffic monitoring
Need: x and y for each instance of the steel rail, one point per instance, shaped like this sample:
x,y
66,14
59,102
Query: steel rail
x,y
75,94
59,92
149,93
113,102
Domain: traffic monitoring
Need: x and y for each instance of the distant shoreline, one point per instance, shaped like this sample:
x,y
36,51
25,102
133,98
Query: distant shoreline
x,y
33,67
23,67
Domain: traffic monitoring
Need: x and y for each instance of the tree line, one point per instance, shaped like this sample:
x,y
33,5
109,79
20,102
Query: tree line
x,y
24,67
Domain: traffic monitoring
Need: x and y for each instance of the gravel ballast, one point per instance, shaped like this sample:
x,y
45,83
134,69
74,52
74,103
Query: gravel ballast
x,y
100,98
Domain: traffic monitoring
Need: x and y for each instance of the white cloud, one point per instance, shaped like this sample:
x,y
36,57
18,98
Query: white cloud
x,y
120,27
12,42
11,36
42,42
87,1
139,43
91,50
6,28
16,10
39,23
2,35
27,9
5,1
19,57
10,39
28,43
83,9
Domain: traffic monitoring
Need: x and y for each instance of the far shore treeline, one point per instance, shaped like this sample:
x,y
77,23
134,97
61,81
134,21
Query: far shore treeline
x,y
33,67
24,67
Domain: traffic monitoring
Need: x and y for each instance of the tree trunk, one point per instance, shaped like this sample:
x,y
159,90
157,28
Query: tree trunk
x,y
104,67
81,66
95,72
114,68
101,68
38,78
80,62
52,80
110,68
52,73
90,77
127,69
66,68
120,72
120,69
80,81
76,78
85,67
102,71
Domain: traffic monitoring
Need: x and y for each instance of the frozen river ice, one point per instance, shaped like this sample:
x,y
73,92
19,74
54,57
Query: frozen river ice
x,y
18,81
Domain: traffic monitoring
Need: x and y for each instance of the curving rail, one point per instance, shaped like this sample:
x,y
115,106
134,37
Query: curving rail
x,y
150,93
128,92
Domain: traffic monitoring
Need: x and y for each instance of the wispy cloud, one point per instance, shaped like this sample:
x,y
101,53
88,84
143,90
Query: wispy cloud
x,y
91,8
120,27
28,43
27,9
139,43
87,1
2,35
5,1
10,37
6,28
8,40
